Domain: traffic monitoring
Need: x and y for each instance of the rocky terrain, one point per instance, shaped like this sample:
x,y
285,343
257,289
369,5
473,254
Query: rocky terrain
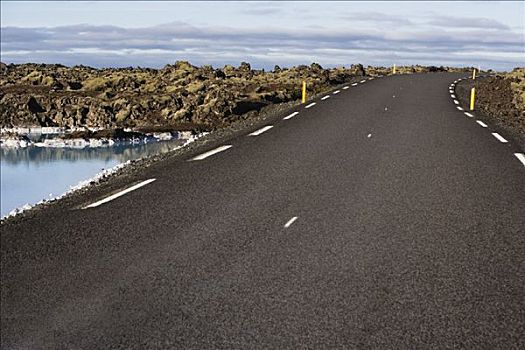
x,y
502,97
179,96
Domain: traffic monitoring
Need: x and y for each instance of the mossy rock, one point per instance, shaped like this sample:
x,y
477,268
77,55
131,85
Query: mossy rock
x,y
172,89
33,78
181,114
48,81
120,103
185,66
38,78
195,87
150,87
95,84
102,83
122,115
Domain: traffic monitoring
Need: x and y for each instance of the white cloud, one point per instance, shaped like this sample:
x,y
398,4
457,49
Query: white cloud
x,y
158,45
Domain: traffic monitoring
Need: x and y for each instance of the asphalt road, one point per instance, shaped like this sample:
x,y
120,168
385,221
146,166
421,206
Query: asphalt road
x,y
409,233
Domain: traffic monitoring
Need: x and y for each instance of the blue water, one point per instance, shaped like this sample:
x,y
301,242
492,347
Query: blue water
x,y
28,175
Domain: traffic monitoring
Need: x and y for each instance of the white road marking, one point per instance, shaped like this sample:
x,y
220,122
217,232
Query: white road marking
x,y
481,123
261,130
336,92
212,152
324,98
372,78
310,105
459,108
345,87
521,157
452,95
499,137
460,79
354,84
369,135
363,81
455,81
290,222
291,115
468,114
456,102
118,194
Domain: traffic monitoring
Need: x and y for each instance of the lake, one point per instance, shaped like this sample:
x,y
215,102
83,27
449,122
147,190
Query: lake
x,y
31,174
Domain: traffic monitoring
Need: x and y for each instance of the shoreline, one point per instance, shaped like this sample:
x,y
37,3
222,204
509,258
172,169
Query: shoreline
x,y
24,137
84,184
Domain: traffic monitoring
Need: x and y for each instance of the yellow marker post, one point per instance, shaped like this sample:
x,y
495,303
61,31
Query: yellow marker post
x,y
472,98
304,92
474,74
394,69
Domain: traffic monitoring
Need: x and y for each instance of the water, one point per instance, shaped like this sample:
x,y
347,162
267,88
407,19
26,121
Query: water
x,y
28,175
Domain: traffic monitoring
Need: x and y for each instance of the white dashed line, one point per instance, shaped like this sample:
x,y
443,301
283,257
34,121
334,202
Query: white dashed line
x,y
325,98
459,108
290,222
336,92
354,84
212,152
499,137
521,157
455,81
261,130
291,115
363,81
310,105
452,95
481,123
369,135
456,102
372,78
121,193
346,87
460,79
469,115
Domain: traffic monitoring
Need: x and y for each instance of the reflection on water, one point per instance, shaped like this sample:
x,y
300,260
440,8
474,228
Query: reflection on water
x,y
31,174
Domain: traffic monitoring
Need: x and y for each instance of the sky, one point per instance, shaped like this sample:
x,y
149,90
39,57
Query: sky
x,y
285,33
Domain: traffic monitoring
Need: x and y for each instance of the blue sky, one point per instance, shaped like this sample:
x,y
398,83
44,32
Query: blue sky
x,y
152,34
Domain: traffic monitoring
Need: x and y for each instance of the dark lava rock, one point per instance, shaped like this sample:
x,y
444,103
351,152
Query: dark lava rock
x,y
178,94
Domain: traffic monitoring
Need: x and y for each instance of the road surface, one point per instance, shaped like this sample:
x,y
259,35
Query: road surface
x,y
378,217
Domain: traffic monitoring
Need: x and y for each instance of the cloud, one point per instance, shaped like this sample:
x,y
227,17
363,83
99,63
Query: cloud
x,y
467,22
375,18
158,45
262,11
